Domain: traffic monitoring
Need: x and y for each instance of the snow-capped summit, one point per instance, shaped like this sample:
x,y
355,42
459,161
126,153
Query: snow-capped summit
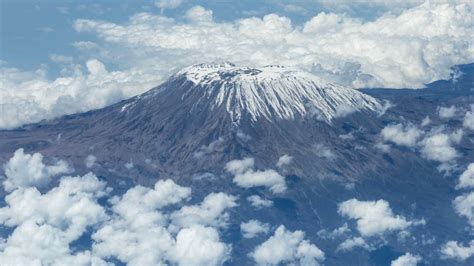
x,y
271,92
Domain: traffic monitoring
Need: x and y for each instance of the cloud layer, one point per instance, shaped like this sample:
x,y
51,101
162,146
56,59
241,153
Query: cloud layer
x,y
404,49
287,247
245,176
144,226
374,217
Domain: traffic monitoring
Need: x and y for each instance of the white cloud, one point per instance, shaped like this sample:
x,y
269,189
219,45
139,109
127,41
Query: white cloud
x,y
374,5
351,243
259,202
28,97
457,251
420,50
402,135
215,146
406,260
246,177
348,136
284,160
140,227
85,45
253,228
464,206
324,152
466,180
62,59
340,231
468,121
44,225
211,211
240,166
25,170
241,135
386,105
447,112
287,247
168,3
374,217
138,233
199,14
129,165
198,245
90,161
426,121
439,147
344,110
385,148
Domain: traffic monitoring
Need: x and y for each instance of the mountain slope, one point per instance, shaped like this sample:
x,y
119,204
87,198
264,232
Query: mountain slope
x,y
221,111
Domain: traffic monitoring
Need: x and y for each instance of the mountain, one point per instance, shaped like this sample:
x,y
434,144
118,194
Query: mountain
x,y
218,110
204,116
271,92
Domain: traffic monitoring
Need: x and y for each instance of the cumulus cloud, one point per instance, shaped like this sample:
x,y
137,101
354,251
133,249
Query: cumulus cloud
x,y
284,160
287,247
401,135
464,206
374,217
90,161
385,148
44,225
439,147
143,226
198,245
436,145
466,180
426,121
25,170
386,105
351,243
140,222
129,165
457,251
406,260
468,121
324,152
199,14
259,202
215,146
245,176
253,228
211,211
344,110
409,49
340,231
447,112
141,232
